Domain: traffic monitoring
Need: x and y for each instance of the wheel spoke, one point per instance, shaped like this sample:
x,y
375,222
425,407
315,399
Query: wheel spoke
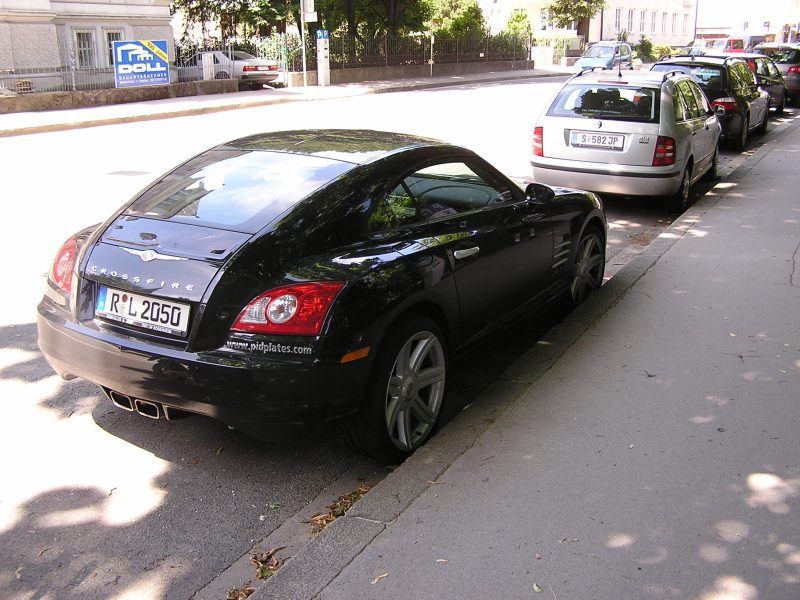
x,y
430,376
419,353
424,413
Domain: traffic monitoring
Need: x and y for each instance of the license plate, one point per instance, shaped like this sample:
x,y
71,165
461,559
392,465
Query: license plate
x,y
589,139
147,312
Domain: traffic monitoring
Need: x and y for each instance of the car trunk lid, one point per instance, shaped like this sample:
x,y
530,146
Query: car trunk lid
x,y
599,140
161,258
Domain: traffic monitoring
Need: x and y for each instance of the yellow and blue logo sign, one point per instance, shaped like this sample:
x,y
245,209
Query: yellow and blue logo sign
x,y
140,63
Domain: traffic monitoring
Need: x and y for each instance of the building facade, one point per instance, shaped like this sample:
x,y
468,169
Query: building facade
x,y
670,22
52,33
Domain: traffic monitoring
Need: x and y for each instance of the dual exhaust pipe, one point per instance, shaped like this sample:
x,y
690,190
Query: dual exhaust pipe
x,y
151,410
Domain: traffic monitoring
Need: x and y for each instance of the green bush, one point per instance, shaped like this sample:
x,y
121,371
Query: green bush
x,y
661,50
644,50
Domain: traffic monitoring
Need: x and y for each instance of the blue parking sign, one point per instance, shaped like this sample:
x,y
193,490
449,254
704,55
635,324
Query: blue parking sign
x,y
140,63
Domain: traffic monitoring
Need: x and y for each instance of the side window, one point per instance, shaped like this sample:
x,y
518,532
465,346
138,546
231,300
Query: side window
x,y
772,69
678,105
746,75
702,102
436,192
692,110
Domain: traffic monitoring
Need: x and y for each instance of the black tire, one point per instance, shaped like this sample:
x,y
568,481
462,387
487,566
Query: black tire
x,y
589,267
256,86
405,394
762,128
781,108
741,142
713,170
679,201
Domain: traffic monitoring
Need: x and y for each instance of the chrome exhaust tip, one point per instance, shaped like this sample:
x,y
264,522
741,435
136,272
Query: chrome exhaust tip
x,y
120,400
147,409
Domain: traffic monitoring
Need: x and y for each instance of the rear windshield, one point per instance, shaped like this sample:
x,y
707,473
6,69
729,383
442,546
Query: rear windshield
x,y
236,189
598,51
781,55
618,103
708,76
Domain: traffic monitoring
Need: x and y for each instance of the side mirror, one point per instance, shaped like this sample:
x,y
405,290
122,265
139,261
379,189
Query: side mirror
x,y
536,192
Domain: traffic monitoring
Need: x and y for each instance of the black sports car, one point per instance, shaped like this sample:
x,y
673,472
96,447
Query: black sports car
x,y
297,277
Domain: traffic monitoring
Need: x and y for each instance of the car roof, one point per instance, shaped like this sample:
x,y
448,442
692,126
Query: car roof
x,y
700,59
792,45
654,78
357,146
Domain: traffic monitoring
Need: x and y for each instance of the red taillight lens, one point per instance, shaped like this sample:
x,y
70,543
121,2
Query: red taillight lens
x,y
538,141
793,70
665,152
725,105
298,309
64,264
247,68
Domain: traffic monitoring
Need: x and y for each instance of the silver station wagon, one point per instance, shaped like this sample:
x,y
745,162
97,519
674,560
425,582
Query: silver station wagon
x,y
628,133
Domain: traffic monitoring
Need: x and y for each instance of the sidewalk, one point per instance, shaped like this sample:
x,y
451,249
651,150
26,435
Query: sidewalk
x,y
41,122
648,447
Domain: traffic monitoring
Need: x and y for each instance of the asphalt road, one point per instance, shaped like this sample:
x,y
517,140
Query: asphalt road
x,y
100,503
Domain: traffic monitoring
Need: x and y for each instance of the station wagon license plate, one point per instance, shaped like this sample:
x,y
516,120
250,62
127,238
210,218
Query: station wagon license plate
x,y
590,139
147,312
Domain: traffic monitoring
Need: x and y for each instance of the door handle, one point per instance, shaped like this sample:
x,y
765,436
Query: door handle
x,y
467,252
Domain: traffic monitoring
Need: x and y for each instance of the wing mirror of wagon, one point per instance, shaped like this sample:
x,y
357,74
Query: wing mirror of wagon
x,y
536,192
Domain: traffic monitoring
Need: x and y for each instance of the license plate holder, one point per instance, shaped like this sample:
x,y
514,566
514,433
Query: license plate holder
x,y
148,312
592,139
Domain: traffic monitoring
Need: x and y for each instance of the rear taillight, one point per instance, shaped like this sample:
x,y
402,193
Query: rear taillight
x,y
665,152
538,142
298,309
724,105
793,70
64,265
247,68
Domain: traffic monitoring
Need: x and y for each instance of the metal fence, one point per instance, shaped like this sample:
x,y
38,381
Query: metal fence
x,y
346,51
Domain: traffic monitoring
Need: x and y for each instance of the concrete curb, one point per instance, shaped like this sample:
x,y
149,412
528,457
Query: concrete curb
x,y
320,562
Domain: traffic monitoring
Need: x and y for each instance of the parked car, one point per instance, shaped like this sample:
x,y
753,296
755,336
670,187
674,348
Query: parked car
x,y
733,44
769,78
287,279
740,103
251,71
641,134
787,58
606,55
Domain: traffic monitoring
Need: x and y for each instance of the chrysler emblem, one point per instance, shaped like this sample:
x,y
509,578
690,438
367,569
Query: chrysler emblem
x,y
148,255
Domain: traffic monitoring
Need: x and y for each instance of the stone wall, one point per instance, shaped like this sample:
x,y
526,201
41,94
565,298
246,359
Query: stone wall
x,y
83,99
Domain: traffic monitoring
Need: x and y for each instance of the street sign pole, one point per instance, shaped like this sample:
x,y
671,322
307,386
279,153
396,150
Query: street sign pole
x,y
303,39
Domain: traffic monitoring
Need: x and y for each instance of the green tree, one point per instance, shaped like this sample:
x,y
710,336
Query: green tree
x,y
518,24
458,17
564,12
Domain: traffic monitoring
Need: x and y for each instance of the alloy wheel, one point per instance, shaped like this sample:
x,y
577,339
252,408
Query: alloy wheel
x,y
414,391
590,264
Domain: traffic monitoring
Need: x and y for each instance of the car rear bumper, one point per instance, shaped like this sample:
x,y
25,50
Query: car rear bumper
x,y
623,180
252,392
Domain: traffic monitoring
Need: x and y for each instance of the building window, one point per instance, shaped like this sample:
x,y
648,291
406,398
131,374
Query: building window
x,y
685,22
618,20
631,15
111,37
664,17
85,50
642,19
653,20
674,22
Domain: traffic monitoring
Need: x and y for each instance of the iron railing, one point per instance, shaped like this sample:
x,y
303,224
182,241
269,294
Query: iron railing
x,y
346,51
